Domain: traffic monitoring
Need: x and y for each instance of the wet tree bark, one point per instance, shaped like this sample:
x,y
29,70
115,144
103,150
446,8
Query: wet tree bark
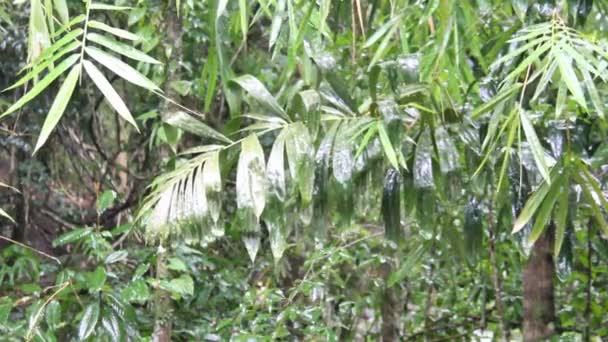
x,y
538,275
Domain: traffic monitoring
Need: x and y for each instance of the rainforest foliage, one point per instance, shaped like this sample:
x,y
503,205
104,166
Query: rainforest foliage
x,y
256,170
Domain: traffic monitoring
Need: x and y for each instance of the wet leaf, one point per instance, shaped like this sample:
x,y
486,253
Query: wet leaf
x,y
250,177
89,321
391,205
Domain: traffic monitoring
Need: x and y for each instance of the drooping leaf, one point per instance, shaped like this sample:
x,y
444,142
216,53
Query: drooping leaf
x,y
109,92
537,150
251,178
121,48
121,69
113,30
258,91
300,154
212,183
190,124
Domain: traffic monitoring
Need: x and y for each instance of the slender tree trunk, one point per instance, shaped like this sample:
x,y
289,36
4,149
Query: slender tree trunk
x,y
539,271
173,44
392,308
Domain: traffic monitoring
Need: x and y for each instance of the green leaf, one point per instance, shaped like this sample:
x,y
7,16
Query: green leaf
x,y
43,84
561,215
136,291
176,264
116,256
275,169
570,79
179,287
62,11
72,236
250,176
53,315
531,206
387,146
58,107
300,154
105,200
89,321
537,150
121,69
258,92
109,92
121,48
499,98
544,212
593,94
115,31
6,305
190,124
96,279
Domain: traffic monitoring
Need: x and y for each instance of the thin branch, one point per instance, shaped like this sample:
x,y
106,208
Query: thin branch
x,y
2,237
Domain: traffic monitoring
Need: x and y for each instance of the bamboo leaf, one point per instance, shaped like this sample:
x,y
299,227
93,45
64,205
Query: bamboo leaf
x,y
531,206
121,69
544,212
561,215
108,91
387,146
115,31
43,84
537,150
121,48
499,98
570,79
58,107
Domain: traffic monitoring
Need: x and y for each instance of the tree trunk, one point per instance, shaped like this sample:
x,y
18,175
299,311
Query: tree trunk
x,y
162,303
539,271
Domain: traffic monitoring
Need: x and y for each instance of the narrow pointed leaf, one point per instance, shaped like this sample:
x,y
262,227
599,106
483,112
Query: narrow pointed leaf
x,y
115,31
570,79
121,48
108,91
537,150
58,107
561,215
121,69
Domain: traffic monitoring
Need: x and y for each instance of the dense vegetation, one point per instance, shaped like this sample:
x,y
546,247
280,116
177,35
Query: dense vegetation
x,y
429,170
